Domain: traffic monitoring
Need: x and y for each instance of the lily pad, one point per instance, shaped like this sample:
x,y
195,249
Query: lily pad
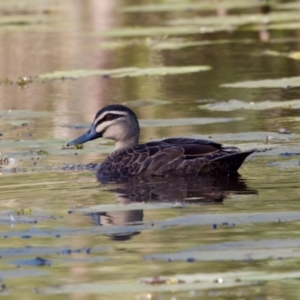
x,y
116,44
127,207
21,20
176,283
84,73
238,105
185,121
179,44
146,102
169,43
48,250
247,136
231,219
5,274
162,71
126,72
188,6
266,83
246,250
20,114
279,26
293,55
15,122
156,30
174,44
237,20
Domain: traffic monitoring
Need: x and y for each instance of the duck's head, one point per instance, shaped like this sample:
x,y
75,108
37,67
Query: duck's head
x,y
115,122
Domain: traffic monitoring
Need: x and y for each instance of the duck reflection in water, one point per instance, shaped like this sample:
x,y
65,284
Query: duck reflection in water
x,y
188,190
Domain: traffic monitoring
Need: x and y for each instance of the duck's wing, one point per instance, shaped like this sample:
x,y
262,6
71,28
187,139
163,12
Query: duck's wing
x,y
190,141
179,155
142,159
201,157
185,141
193,148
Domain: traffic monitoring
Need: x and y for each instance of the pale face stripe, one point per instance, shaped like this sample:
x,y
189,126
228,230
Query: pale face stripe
x,y
114,112
103,126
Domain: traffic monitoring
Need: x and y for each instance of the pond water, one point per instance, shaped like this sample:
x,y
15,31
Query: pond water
x,y
221,70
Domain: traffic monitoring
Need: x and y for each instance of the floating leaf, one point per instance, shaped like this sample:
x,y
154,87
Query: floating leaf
x,y
294,55
156,30
246,136
22,273
161,71
146,102
237,104
266,83
111,45
231,219
176,43
179,44
123,208
237,20
84,73
180,6
279,26
229,251
21,20
185,121
126,72
175,283
20,114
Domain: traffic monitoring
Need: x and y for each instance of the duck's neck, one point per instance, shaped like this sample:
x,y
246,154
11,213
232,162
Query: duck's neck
x,y
125,144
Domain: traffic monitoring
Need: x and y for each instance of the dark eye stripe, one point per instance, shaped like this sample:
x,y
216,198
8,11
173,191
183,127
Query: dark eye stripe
x,y
114,116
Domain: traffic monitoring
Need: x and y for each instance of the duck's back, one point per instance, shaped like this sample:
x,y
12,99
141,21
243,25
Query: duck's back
x,y
173,156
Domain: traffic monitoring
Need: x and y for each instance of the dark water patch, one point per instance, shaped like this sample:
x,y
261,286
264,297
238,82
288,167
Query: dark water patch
x,y
68,232
25,215
42,167
233,219
79,167
276,249
288,154
82,260
41,262
34,262
77,126
5,274
38,251
11,218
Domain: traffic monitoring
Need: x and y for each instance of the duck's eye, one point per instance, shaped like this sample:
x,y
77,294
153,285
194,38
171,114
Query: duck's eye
x,y
109,117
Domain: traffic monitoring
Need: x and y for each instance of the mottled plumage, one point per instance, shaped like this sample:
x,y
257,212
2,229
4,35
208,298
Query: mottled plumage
x,y
174,156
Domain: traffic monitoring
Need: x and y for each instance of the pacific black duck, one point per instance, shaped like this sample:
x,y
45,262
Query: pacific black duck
x,y
178,156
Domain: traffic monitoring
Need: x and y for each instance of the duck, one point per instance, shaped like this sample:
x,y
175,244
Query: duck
x,y
170,156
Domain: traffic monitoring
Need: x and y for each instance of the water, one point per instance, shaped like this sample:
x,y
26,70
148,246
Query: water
x,y
62,232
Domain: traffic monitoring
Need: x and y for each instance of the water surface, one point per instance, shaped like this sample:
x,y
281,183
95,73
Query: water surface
x,y
64,233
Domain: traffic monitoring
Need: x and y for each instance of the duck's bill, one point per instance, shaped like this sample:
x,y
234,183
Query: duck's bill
x,y
90,135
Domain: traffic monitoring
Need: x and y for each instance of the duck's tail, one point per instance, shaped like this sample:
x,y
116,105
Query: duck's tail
x,y
231,162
